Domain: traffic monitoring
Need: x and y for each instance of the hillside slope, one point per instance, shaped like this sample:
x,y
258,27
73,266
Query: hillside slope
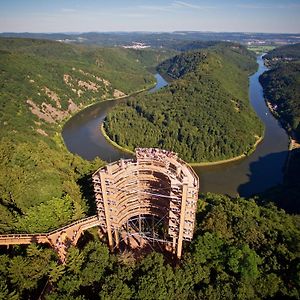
x,y
42,185
284,53
281,86
204,114
282,83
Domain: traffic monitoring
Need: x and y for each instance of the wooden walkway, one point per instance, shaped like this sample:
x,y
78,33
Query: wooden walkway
x,y
60,239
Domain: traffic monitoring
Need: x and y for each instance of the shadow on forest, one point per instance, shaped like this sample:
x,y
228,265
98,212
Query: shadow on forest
x,y
286,194
11,206
87,189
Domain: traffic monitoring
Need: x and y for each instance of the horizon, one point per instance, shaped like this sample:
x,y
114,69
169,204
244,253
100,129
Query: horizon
x,y
149,31
244,16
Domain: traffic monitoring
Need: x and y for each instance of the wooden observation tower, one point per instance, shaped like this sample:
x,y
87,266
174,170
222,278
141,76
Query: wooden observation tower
x,y
151,199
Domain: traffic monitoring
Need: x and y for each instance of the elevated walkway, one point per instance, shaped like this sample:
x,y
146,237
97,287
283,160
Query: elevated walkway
x,y
59,239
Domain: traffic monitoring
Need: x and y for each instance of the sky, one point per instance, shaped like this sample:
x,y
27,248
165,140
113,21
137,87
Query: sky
x,y
272,16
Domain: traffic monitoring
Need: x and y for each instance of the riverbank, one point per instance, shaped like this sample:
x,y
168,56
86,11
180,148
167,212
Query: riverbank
x,y
229,160
113,142
64,121
294,143
251,174
192,164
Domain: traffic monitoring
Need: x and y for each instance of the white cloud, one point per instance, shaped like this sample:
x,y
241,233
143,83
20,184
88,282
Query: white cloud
x,y
174,6
183,4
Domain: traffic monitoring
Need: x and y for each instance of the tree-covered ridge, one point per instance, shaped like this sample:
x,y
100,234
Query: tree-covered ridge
x,y
240,251
188,61
42,185
38,178
81,73
204,115
182,64
282,88
284,53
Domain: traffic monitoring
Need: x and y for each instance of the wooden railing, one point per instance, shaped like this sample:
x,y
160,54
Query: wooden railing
x,y
15,239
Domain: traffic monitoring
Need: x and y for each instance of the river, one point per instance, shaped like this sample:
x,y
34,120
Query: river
x,y
256,173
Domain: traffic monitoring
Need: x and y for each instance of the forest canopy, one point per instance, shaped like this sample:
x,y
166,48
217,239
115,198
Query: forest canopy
x,y
43,185
240,251
281,86
287,52
282,83
204,114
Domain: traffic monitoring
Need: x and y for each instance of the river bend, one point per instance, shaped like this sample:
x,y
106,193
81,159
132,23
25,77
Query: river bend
x,y
261,170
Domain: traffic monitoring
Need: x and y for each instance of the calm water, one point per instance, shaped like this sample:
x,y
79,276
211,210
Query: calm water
x,y
256,173
82,134
262,169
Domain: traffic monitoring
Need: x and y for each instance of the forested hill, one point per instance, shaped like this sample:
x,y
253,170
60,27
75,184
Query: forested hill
x,y
284,53
281,86
204,114
282,83
42,185
282,89
179,65
240,250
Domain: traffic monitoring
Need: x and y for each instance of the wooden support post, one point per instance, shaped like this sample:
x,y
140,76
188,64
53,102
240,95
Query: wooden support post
x,y
139,200
140,230
182,218
174,245
153,231
128,238
117,238
106,210
100,233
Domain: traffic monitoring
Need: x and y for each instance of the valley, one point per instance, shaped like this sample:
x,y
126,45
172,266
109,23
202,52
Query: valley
x,y
52,91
